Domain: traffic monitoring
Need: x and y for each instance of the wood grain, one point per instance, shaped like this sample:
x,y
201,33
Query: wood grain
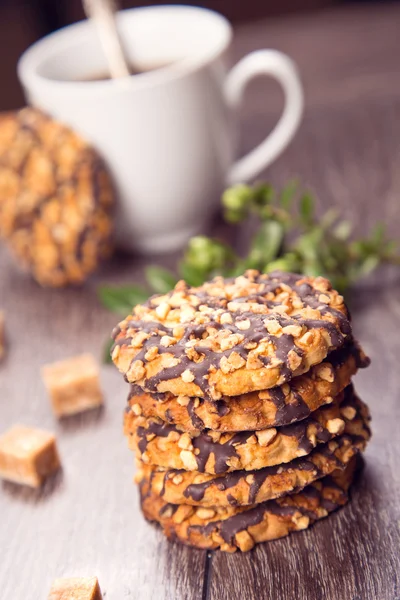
x,y
86,521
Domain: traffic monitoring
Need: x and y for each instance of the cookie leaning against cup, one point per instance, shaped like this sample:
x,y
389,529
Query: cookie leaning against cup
x,y
56,199
256,410
231,336
162,444
242,527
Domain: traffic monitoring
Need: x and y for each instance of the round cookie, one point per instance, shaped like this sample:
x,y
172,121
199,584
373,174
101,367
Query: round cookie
x,y
231,336
241,488
256,410
241,528
164,445
56,199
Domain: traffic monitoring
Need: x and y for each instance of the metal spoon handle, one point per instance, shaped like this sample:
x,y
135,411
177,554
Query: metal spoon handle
x,y
102,13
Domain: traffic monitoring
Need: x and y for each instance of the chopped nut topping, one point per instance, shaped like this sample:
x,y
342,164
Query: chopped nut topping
x,y
272,326
236,360
167,341
244,540
226,319
294,330
189,460
335,425
301,522
162,310
136,409
323,298
231,341
138,339
178,332
253,362
151,353
348,412
185,442
252,440
225,366
177,479
167,512
266,436
205,513
243,325
325,372
307,339
183,400
187,376
184,512
294,360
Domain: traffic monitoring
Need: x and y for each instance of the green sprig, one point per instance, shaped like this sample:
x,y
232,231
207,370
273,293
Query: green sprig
x,y
289,238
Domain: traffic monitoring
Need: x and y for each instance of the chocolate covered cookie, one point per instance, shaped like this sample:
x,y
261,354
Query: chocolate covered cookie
x,y
275,407
56,199
241,528
166,446
241,488
231,336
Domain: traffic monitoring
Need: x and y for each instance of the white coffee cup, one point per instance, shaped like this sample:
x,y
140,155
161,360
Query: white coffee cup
x,y
167,135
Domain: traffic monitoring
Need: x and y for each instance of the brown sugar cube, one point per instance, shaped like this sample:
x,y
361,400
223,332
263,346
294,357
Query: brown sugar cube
x,y
73,384
2,336
28,455
76,588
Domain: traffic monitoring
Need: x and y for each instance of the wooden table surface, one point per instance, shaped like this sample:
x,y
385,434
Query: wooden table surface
x,y
86,521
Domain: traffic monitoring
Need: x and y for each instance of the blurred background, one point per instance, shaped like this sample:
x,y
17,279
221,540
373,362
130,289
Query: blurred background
x,y
24,21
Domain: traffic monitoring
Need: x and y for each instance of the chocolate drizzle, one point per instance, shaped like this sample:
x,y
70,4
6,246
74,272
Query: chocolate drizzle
x,y
229,527
223,452
210,359
196,421
196,491
288,412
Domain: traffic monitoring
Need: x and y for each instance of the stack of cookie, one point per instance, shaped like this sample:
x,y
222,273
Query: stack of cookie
x,y
241,412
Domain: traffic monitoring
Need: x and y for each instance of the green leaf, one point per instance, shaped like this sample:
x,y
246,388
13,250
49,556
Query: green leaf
x,y
306,206
378,233
266,244
367,266
328,219
107,352
263,194
121,299
206,255
191,275
288,262
161,280
236,202
343,230
288,193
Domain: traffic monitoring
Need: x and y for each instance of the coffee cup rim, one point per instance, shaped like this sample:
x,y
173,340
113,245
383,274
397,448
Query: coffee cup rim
x,y
31,60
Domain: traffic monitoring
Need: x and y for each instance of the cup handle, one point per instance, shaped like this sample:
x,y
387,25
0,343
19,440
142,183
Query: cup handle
x,y
282,68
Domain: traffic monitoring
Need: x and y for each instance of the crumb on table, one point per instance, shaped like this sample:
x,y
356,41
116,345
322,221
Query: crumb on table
x,y
28,455
75,588
73,384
